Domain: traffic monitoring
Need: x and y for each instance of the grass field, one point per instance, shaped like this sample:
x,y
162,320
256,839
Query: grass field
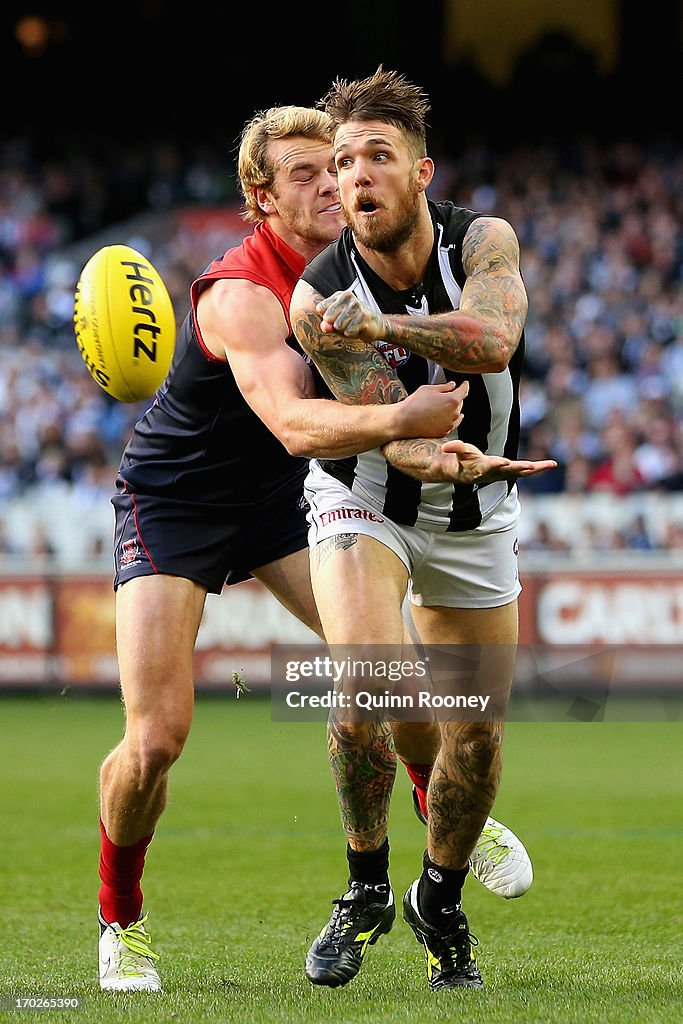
x,y
249,855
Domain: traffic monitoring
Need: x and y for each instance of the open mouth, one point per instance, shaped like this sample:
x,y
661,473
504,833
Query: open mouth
x,y
367,207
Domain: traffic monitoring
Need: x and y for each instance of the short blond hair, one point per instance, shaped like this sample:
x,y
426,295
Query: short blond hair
x,y
255,167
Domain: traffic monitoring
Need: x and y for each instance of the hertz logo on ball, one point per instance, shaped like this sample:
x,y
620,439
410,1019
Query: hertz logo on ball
x,y
124,323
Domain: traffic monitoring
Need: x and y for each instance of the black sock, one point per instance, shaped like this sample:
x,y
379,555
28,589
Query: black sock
x,y
371,867
439,892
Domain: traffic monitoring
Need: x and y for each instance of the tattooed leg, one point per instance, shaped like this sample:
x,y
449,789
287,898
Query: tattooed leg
x,y
323,551
363,764
359,586
472,650
462,789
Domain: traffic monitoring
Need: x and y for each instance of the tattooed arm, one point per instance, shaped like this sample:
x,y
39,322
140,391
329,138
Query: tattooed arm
x,y
479,337
353,369
357,373
457,462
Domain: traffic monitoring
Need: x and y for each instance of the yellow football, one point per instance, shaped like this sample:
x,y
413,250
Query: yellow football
x,y
124,323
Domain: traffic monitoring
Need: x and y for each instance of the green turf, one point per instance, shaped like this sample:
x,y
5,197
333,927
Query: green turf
x,y
250,853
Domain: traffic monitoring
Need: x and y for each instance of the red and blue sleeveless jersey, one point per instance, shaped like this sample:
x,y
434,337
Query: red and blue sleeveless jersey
x,y
200,441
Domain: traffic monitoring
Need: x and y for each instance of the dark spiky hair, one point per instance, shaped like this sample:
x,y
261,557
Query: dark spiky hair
x,y
385,96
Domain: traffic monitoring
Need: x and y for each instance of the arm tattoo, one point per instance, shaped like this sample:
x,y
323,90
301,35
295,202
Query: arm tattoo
x,y
451,340
416,456
485,331
363,762
355,372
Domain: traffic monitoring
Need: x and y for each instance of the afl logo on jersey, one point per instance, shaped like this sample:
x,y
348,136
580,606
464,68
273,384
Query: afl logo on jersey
x,y
394,354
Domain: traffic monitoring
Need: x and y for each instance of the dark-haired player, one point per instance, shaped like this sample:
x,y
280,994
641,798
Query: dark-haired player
x,y
440,287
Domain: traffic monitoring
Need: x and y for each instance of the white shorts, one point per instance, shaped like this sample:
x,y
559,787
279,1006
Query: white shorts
x,y
468,569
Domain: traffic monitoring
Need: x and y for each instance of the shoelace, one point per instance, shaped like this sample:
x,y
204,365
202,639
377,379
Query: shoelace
x,y
489,846
138,943
462,943
343,917
341,920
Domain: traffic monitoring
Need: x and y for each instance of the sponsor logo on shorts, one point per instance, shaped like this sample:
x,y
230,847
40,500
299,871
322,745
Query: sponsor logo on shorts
x,y
130,553
338,514
394,354
515,546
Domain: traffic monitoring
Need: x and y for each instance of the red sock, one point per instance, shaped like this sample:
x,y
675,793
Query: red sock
x,y
120,872
419,775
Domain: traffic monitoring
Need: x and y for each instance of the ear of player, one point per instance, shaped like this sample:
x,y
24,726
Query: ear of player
x,y
124,323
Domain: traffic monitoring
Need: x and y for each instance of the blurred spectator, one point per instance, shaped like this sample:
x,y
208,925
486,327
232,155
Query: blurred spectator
x,y
636,535
674,537
545,539
618,473
656,457
6,545
40,545
608,389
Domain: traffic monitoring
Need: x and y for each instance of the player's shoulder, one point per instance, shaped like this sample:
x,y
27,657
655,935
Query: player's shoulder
x,y
237,297
453,220
252,272
333,268
462,231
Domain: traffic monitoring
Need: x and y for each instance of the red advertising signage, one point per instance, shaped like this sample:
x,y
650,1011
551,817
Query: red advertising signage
x,y
59,630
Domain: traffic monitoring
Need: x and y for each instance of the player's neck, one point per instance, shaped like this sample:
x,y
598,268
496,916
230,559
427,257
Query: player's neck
x,y
406,265
299,243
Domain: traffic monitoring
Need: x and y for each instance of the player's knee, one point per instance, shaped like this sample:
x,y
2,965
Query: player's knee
x,y
477,746
155,749
348,734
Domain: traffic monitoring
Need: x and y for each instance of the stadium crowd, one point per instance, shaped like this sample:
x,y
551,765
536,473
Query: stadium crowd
x,y
601,232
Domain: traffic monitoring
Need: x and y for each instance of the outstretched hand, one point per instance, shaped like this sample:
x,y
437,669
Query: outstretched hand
x,y
466,464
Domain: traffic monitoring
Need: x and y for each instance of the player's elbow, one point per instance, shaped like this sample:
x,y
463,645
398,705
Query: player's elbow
x,y
297,443
499,354
493,363
487,347
497,365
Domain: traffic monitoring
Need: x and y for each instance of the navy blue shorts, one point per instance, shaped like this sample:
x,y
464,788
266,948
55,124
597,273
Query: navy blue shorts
x,y
209,544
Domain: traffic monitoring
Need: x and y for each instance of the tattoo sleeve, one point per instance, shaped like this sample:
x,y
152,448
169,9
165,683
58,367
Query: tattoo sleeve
x,y
363,763
355,372
484,332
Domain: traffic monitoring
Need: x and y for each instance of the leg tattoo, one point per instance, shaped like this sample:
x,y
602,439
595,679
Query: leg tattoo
x,y
363,763
462,789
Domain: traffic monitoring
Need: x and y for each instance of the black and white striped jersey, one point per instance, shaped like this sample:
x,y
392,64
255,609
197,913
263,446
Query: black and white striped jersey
x,y
491,410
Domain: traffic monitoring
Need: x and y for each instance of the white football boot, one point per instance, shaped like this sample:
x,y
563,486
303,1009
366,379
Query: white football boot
x,y
126,958
499,860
